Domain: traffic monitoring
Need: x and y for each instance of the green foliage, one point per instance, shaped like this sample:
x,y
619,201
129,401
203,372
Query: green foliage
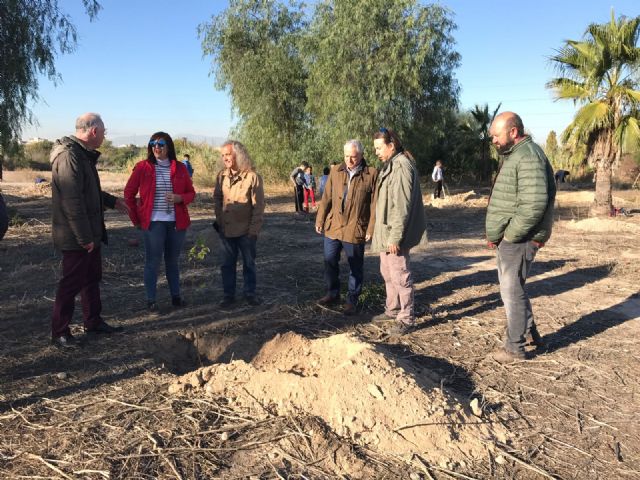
x,y
254,45
14,156
120,158
199,251
303,82
32,34
378,63
37,154
600,73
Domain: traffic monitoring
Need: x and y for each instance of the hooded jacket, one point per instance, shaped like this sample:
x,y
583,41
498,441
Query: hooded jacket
x,y
78,201
400,218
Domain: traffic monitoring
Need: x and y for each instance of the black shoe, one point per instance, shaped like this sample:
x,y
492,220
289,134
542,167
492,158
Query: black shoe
x,y
65,341
178,302
104,327
400,329
227,302
253,300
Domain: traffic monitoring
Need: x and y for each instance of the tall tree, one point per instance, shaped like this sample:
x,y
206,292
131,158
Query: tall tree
x,y
552,149
600,72
255,50
479,123
32,34
376,63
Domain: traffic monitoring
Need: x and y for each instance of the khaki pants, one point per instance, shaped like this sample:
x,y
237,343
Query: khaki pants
x,y
398,283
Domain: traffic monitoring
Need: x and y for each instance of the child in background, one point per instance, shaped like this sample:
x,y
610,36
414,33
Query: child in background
x,y
323,181
309,188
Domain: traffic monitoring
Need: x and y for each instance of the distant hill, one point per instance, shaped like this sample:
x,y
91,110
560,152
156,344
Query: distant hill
x,y
141,140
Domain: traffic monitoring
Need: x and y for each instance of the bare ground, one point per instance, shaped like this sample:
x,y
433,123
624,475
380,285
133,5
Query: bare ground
x,y
127,406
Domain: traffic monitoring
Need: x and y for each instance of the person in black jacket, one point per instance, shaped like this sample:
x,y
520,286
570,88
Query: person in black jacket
x,y
78,227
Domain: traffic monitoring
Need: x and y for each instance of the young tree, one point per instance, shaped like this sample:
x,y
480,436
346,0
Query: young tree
x,y
551,149
376,63
32,34
254,45
482,121
600,72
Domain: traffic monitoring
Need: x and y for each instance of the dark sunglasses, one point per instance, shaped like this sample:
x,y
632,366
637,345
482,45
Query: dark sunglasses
x,y
159,143
383,130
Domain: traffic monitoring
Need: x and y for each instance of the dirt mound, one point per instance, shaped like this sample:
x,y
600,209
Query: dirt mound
x,y
42,188
603,225
384,404
468,199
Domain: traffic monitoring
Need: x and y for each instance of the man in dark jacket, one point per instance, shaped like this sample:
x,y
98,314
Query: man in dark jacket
x,y
4,217
345,215
78,227
519,221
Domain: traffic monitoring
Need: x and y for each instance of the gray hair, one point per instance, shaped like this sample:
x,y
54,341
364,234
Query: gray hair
x,y
356,144
88,120
243,160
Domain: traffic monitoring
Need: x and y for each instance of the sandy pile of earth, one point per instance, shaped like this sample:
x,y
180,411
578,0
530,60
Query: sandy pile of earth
x,y
470,198
386,404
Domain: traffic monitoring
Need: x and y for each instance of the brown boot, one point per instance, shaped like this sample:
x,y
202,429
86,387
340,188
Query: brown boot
x,y
349,309
328,300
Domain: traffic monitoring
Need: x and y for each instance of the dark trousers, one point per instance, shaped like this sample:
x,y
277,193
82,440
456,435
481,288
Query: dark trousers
x,y
437,191
355,257
514,264
229,259
299,197
81,273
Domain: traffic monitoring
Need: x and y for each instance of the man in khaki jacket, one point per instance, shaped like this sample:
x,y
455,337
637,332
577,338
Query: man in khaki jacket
x,y
346,216
238,199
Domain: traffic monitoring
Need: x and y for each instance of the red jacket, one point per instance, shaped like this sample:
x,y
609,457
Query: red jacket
x,y
143,181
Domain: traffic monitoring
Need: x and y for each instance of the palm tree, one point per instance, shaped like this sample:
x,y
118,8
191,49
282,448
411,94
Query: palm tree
x,y
482,120
601,73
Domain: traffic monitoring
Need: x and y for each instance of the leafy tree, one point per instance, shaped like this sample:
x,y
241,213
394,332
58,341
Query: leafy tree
x,y
552,149
32,34
255,50
376,63
600,72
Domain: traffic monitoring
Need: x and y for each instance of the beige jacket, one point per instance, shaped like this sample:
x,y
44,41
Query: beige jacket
x,y
239,203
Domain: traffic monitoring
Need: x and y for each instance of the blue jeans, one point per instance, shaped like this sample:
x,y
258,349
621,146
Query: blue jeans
x,y
229,259
355,257
514,264
162,238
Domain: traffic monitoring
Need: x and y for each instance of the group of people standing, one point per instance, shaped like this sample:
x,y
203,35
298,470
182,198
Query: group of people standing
x,y
359,203
156,198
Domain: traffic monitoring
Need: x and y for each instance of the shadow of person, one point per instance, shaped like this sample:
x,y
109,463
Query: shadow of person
x,y
594,323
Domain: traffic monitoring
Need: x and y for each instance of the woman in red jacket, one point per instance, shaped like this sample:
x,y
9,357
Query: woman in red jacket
x,y
165,190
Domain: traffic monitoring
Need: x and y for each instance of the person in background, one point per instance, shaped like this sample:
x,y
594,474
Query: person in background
x,y
323,181
165,190
238,199
186,160
309,188
519,221
297,178
400,225
438,177
78,228
346,216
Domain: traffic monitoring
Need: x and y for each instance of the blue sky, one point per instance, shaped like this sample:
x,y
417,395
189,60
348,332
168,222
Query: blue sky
x,y
140,65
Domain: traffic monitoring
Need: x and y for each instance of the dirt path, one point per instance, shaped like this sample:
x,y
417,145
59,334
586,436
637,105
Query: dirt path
x,y
275,387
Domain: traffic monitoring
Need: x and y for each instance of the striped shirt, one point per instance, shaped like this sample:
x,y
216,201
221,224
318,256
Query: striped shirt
x,y
163,211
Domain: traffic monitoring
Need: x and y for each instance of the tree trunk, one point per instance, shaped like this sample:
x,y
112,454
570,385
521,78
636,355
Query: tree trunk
x,y
602,202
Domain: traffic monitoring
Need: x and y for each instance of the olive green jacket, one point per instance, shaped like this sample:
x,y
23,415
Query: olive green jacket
x,y
521,203
400,218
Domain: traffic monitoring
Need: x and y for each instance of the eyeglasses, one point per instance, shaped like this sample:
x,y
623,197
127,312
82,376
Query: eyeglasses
x,y
157,143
